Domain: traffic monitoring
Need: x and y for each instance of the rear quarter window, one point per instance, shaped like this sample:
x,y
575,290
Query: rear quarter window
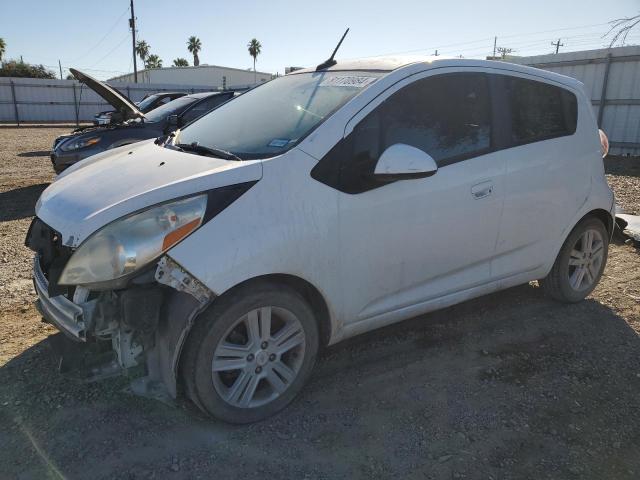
x,y
539,111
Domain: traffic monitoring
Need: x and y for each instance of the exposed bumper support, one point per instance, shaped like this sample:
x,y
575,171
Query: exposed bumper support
x,y
58,310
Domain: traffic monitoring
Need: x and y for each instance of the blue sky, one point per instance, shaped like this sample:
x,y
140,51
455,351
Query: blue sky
x,y
94,35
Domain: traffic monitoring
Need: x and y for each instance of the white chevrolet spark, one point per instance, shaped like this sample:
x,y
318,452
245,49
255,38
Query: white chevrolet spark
x,y
319,206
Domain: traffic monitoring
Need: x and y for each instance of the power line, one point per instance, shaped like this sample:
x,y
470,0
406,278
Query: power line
x,y
102,39
112,50
486,39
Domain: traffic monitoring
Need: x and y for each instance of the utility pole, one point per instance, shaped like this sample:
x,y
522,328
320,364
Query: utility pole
x,y
557,45
132,25
60,66
495,43
504,51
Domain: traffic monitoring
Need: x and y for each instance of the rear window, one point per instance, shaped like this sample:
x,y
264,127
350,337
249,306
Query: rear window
x,y
540,111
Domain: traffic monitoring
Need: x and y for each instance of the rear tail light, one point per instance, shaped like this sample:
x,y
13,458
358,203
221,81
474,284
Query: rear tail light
x,y
604,143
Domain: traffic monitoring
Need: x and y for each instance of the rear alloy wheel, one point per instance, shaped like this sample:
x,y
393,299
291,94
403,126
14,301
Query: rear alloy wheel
x,y
580,263
248,357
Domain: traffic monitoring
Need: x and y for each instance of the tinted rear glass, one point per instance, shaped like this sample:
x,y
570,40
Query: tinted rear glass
x,y
540,111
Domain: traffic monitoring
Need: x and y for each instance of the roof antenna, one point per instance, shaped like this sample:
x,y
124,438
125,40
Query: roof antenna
x,y
331,62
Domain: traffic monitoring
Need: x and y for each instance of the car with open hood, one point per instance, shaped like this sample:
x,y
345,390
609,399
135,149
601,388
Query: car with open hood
x,y
148,103
319,206
135,126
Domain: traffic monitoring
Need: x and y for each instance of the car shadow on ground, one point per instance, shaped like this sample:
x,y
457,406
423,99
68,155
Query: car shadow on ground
x,y
37,153
511,385
20,202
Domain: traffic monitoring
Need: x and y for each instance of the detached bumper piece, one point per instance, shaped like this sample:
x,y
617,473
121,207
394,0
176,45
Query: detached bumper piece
x,y
58,310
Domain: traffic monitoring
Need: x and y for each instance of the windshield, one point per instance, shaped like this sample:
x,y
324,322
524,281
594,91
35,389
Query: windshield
x,y
146,102
174,107
274,117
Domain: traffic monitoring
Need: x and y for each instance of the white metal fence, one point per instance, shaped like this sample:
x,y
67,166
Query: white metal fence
x,y
612,79
39,100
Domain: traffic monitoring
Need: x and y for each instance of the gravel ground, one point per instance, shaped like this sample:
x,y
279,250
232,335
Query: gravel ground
x,y
511,385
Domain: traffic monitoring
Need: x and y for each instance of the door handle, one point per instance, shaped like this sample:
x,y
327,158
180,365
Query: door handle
x,y
482,190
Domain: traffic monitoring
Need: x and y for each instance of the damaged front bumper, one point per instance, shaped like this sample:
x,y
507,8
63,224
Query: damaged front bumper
x,y
67,316
146,323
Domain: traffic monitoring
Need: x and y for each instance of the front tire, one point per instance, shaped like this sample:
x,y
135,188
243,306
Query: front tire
x,y
250,354
580,263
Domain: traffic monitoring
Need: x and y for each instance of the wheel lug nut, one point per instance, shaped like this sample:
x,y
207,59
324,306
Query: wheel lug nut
x,y
258,369
264,345
250,357
272,357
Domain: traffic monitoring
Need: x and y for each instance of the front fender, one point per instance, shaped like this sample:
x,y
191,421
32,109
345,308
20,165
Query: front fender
x,y
176,319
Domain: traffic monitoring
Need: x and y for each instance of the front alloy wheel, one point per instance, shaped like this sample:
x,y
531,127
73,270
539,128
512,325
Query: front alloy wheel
x,y
250,354
258,357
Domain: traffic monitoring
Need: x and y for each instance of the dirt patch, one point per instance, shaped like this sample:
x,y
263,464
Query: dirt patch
x,y
512,385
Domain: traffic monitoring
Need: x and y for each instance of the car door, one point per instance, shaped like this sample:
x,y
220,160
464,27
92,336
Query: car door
x,y
410,242
547,178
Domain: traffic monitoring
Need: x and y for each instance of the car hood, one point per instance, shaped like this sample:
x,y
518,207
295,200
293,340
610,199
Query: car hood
x,y
130,178
103,130
115,99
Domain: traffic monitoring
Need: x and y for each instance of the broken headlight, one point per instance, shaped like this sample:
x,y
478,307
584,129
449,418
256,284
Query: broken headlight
x,y
132,242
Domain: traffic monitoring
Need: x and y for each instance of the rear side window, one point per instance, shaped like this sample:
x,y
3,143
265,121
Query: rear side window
x,y
540,111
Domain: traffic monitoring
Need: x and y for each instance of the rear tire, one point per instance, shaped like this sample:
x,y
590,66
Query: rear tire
x,y
250,354
580,263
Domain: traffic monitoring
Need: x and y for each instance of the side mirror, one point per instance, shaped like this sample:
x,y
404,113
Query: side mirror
x,y
173,121
402,162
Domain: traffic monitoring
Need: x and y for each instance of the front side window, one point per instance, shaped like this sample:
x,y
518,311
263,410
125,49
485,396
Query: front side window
x,y
274,117
446,116
539,111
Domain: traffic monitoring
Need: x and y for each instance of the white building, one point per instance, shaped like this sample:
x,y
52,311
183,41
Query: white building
x,y
211,75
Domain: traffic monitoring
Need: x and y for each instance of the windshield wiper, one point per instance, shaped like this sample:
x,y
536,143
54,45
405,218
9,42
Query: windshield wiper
x,y
214,151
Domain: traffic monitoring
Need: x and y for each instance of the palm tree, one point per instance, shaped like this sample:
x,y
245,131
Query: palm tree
x,y
194,46
153,61
180,62
142,49
255,48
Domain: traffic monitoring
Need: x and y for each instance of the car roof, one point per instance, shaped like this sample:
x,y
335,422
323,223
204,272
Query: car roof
x,y
166,94
397,62
205,94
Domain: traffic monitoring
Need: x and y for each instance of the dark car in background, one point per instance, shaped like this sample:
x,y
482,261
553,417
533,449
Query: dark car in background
x,y
148,103
136,126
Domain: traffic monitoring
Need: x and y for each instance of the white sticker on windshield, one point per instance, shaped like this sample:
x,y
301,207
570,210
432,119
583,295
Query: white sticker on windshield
x,y
347,81
279,142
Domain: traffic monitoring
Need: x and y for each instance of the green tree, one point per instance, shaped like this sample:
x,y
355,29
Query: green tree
x,y
255,49
12,68
180,62
153,61
194,46
3,47
142,49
